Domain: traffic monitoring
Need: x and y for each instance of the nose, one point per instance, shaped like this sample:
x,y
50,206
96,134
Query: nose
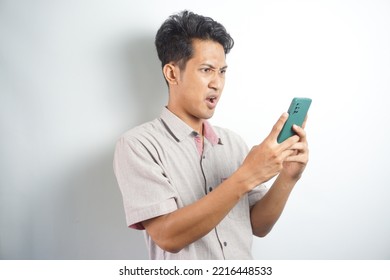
x,y
217,82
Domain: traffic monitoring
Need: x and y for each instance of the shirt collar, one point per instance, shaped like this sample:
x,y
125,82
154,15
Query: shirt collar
x,y
210,134
180,130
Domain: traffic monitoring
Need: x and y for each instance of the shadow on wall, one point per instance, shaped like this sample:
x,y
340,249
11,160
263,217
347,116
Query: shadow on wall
x,y
142,88
150,91
88,211
145,91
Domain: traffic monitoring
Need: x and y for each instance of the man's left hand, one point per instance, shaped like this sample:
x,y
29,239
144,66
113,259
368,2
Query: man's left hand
x,y
294,165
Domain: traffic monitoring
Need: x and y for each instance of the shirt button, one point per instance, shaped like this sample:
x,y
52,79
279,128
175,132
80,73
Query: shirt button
x,y
210,189
203,157
225,243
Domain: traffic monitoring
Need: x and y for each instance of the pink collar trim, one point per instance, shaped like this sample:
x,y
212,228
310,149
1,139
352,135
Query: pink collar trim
x,y
210,134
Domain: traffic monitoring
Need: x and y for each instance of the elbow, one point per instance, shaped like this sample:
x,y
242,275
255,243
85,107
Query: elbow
x,y
167,242
157,229
261,227
169,245
262,232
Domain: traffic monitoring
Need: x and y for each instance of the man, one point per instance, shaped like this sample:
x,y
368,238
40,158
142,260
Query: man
x,y
193,187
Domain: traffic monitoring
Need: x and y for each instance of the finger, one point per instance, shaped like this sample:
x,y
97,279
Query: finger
x,y
299,146
301,155
278,126
289,142
304,122
300,132
301,158
287,154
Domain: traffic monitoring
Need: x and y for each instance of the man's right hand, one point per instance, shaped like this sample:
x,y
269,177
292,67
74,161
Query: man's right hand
x,y
265,160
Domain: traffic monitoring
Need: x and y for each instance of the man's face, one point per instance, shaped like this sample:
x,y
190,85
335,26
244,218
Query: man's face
x,y
199,86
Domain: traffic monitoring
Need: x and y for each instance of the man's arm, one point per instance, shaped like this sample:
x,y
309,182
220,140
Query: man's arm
x,y
174,231
266,212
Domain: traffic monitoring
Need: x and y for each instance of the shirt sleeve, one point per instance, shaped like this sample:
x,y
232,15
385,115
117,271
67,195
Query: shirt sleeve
x,y
145,189
256,194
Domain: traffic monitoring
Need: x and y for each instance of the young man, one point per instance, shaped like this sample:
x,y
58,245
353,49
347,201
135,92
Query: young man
x,y
193,187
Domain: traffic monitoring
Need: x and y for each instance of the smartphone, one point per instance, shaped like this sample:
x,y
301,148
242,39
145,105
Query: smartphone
x,y
297,113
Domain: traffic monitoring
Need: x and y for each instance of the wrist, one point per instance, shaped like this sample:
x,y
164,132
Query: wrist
x,y
243,180
287,180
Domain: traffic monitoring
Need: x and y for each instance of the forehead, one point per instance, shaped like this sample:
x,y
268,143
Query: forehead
x,y
208,51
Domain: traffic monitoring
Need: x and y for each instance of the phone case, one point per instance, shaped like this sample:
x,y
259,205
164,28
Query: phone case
x,y
297,112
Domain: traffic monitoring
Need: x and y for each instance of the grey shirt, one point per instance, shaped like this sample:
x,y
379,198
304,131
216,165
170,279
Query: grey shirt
x,y
159,169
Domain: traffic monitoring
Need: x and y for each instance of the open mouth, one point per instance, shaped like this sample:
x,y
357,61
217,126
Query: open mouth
x,y
211,102
211,99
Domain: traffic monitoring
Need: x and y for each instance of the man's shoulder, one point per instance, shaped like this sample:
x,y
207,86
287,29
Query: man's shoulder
x,y
227,134
147,130
232,142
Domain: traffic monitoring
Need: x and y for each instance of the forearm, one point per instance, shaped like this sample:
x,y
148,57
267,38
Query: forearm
x,y
174,231
266,212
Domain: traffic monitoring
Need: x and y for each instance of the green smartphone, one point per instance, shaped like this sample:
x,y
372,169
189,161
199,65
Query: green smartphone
x,y
297,113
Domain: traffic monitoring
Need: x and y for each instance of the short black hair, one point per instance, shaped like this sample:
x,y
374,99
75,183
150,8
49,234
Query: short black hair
x,y
174,38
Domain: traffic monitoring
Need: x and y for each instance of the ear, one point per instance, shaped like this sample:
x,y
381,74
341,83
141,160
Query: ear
x,y
171,73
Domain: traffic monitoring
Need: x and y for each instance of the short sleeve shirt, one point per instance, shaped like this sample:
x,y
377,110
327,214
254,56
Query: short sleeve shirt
x,y
159,170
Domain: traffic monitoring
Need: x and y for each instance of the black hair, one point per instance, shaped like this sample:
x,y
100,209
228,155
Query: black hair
x,y
174,38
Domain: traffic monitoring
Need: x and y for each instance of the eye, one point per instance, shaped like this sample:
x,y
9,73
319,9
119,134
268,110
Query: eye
x,y
206,70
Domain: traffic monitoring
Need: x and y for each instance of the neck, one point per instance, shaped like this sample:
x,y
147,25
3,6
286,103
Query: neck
x,y
195,123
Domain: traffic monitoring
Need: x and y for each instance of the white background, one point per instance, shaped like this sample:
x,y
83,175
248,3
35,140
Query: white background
x,y
74,75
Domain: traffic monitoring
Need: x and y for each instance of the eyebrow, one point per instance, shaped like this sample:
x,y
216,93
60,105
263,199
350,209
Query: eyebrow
x,y
212,66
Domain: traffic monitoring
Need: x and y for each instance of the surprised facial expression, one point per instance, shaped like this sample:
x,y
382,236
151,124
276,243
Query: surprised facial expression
x,y
198,87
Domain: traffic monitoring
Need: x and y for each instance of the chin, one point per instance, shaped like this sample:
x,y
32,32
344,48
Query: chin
x,y
208,116
204,114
